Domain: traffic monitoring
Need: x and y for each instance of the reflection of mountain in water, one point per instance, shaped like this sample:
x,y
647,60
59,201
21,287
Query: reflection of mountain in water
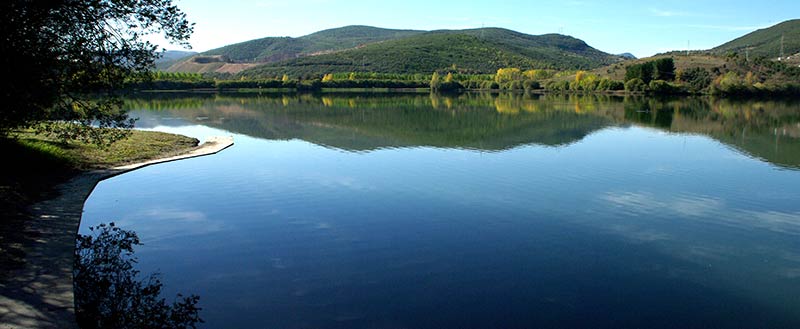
x,y
370,122
359,122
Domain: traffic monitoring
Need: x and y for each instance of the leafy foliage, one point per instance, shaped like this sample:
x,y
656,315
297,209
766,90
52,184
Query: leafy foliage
x,y
108,293
70,49
659,69
696,79
507,74
643,71
635,85
664,69
662,87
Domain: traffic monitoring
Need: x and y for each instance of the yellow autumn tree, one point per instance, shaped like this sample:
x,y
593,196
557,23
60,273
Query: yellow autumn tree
x,y
579,76
507,74
435,81
328,77
285,78
448,78
538,74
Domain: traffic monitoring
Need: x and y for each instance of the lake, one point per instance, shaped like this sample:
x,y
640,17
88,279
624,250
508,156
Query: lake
x,y
473,211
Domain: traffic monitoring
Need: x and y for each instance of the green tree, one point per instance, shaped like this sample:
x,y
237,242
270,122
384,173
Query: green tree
x,y
69,49
642,71
664,69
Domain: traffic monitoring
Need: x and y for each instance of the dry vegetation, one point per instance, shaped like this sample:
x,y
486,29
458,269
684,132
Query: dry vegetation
x,y
617,71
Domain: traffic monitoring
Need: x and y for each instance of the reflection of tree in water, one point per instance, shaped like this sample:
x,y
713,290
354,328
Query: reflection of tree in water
x,y
763,129
108,293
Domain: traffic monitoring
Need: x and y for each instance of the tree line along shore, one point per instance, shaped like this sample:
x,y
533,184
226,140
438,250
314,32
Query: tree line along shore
x,y
732,75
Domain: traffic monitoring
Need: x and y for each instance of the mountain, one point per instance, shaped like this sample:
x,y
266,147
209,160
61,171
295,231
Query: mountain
x,y
766,42
627,56
170,57
370,49
272,49
474,51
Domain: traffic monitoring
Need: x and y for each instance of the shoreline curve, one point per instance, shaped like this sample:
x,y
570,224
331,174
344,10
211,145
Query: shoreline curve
x,y
40,294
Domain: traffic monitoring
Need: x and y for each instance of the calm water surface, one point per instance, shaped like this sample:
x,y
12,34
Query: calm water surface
x,y
477,211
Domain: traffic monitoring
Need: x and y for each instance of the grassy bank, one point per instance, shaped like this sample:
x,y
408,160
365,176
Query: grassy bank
x,y
41,161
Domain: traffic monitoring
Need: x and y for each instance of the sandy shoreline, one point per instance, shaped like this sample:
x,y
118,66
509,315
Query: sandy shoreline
x,y
39,295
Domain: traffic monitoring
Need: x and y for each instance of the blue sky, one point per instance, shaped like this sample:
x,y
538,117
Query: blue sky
x,y
643,28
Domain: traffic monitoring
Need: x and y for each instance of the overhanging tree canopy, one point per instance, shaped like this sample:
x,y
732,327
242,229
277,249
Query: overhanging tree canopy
x,y
56,53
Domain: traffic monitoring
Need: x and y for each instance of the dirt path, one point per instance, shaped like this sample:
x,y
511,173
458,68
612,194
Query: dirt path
x,y
39,294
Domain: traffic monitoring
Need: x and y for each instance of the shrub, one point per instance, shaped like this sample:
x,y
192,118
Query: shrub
x,y
662,87
449,87
511,85
529,85
557,85
635,85
696,79
309,85
490,85
616,85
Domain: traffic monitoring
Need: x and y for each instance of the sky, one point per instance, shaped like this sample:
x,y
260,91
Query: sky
x,y
642,28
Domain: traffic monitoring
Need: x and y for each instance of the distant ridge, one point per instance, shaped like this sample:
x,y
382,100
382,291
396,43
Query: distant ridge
x,y
170,57
627,56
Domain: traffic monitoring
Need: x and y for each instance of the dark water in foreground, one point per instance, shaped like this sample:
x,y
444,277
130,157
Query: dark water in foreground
x,y
479,211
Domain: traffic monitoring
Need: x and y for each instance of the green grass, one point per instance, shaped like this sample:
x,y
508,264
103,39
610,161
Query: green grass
x,y
39,162
36,163
140,146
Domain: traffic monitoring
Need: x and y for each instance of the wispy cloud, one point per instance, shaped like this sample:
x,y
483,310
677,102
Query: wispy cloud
x,y
704,208
728,27
669,13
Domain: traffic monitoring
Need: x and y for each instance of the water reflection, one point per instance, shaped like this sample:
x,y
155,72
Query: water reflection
x,y
481,210
109,292
768,130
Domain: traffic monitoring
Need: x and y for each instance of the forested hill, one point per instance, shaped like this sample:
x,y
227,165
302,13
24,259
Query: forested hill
x,y
766,42
272,49
370,49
